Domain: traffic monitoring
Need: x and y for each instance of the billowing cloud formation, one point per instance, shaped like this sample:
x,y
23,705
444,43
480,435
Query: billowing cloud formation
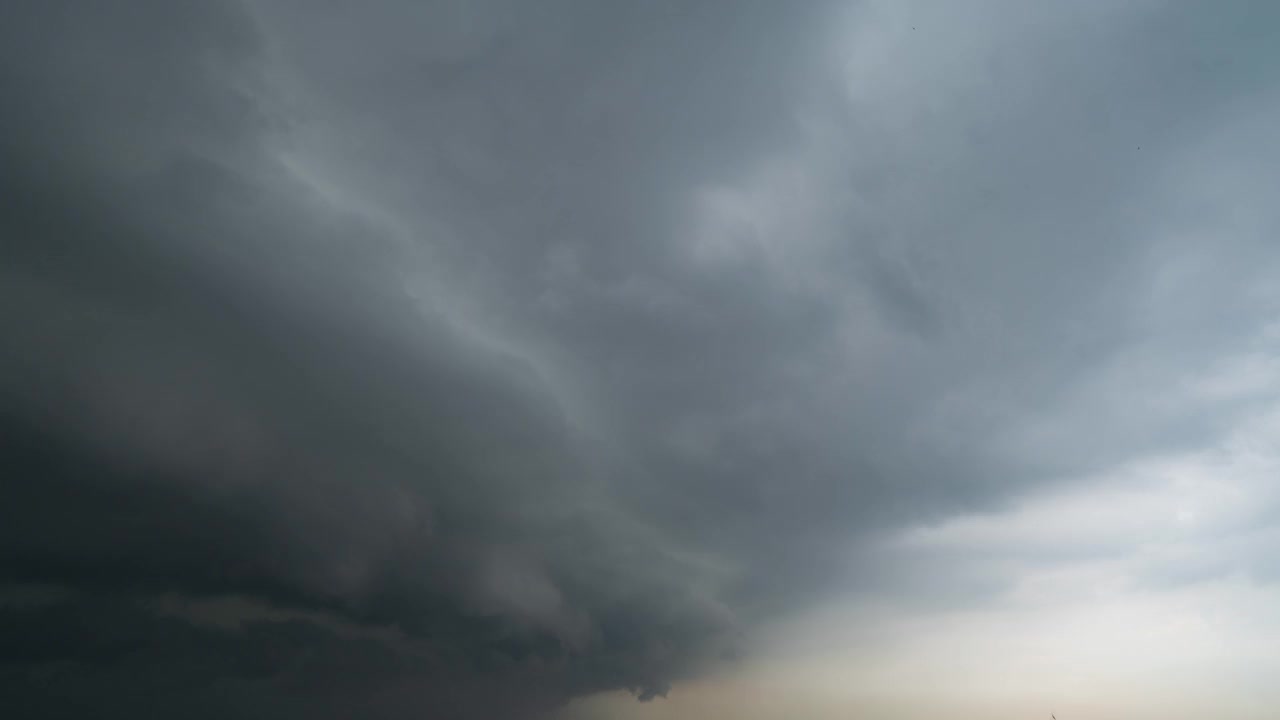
x,y
218,387
462,358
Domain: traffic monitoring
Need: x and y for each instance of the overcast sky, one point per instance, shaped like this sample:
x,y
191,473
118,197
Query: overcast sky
x,y
594,360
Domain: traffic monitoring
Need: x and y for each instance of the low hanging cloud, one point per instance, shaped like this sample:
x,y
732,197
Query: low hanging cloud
x,y
461,359
217,387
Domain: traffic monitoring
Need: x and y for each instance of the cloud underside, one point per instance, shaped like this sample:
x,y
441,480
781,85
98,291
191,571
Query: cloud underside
x,y
459,360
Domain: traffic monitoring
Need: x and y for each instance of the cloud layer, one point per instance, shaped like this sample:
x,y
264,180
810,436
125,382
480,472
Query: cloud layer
x,y
460,359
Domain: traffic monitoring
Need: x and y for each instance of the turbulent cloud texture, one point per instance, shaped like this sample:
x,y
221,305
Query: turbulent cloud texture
x,y
457,359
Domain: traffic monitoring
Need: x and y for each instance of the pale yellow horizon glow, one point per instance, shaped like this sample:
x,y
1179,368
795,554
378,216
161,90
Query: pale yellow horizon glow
x,y
1202,652
1093,620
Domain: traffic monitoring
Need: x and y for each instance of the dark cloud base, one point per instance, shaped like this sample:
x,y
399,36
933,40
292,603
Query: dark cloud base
x,y
214,387
582,339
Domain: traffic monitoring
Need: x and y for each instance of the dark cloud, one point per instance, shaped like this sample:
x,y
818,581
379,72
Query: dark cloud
x,y
459,359
216,385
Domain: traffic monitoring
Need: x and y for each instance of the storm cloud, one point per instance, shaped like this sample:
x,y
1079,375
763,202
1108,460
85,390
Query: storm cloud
x,y
461,359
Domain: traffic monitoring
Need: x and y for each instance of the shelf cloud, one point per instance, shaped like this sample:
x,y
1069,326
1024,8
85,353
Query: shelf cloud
x,y
503,360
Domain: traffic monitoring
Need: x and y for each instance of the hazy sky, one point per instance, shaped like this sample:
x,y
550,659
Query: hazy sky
x,y
513,359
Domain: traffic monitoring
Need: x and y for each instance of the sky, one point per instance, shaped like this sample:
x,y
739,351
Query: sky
x,y
653,360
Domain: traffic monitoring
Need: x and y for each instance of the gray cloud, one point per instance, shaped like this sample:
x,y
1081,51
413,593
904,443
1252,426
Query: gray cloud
x,y
507,353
